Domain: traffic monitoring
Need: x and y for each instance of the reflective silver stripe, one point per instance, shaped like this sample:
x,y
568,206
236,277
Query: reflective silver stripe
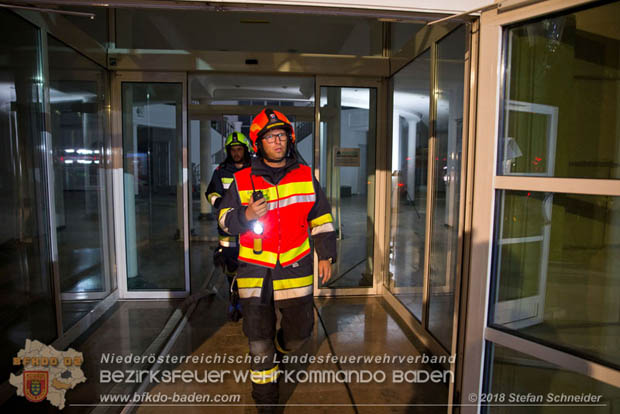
x,y
222,220
306,198
226,185
323,228
290,293
249,292
228,243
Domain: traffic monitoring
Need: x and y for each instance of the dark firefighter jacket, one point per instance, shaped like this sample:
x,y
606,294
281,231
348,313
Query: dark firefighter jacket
x,y
220,183
259,275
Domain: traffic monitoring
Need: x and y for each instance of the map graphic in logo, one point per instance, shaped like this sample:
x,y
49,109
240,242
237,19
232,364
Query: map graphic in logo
x,y
48,373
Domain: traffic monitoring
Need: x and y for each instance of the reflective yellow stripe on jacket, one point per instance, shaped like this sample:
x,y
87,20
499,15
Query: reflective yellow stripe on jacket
x,y
322,224
222,218
265,256
227,241
287,256
325,218
272,257
250,287
283,191
293,288
213,198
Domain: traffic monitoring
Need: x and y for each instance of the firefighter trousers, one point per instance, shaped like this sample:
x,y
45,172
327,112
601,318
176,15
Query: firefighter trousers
x,y
259,325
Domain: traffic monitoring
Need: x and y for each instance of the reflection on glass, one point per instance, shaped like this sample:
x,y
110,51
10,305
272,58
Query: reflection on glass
x,y
549,128
348,131
152,142
26,296
409,182
524,376
246,95
77,88
447,171
206,151
556,270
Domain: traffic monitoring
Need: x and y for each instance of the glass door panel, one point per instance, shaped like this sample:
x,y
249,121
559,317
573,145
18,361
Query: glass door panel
x,y
27,302
411,123
221,104
205,153
153,185
347,149
447,184
78,126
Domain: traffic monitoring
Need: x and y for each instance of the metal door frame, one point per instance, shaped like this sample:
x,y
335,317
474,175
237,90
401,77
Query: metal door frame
x,y
118,186
380,178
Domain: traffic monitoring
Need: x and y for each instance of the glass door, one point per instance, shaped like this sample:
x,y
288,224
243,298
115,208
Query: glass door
x,y
207,134
77,115
154,183
221,104
79,136
29,304
346,166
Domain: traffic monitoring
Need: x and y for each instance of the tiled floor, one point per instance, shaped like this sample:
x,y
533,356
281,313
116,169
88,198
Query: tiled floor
x,y
128,328
346,327
354,326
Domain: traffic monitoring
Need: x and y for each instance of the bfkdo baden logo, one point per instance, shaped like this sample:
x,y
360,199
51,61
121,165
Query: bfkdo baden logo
x,y
47,373
35,385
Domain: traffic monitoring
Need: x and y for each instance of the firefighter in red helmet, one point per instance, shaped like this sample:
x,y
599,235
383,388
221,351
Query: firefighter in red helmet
x,y
275,206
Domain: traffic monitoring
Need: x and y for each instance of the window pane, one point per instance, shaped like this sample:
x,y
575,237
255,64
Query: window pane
x,y
448,149
26,297
561,96
152,140
556,273
517,375
348,125
409,182
77,99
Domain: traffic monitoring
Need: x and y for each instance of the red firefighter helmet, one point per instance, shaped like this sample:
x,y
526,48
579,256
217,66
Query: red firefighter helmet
x,y
268,119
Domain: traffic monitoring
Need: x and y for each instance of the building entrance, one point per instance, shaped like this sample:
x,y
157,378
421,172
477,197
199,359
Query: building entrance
x,y
341,158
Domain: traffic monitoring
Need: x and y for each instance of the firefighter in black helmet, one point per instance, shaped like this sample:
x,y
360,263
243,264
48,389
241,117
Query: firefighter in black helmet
x,y
238,156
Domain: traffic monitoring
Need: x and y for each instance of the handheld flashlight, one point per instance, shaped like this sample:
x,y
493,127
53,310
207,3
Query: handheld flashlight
x,y
257,227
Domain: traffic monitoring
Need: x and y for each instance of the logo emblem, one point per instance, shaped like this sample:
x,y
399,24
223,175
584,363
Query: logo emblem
x,y
35,385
